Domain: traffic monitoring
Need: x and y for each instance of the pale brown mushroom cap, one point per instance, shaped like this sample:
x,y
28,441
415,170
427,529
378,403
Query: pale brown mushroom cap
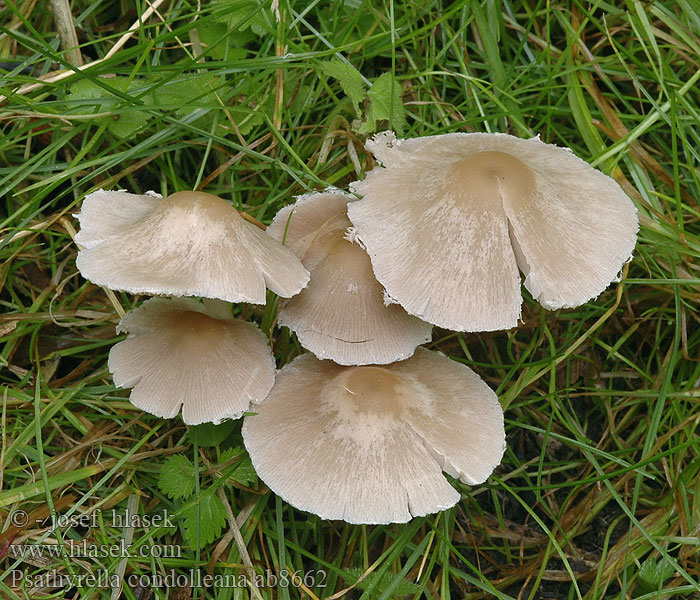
x,y
449,219
184,354
367,444
309,227
341,314
188,244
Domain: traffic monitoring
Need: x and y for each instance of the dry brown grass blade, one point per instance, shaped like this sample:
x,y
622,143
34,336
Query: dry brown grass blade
x,y
618,131
38,514
66,31
56,76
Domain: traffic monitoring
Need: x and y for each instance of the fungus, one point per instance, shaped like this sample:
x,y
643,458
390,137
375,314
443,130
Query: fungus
x,y
449,220
188,244
341,314
367,444
181,353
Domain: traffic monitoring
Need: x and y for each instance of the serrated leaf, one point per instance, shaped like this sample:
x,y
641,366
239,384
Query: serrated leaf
x,y
210,519
177,477
124,121
87,90
386,103
244,474
229,453
364,127
349,78
209,435
381,584
128,122
187,93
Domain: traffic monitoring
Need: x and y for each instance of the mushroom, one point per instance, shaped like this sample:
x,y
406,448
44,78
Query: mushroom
x,y
450,218
188,244
367,444
182,353
341,314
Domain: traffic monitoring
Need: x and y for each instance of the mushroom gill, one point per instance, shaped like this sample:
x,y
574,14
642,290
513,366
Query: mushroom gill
x,y
341,314
188,244
184,354
367,444
449,219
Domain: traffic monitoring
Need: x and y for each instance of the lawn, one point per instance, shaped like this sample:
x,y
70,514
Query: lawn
x,y
598,495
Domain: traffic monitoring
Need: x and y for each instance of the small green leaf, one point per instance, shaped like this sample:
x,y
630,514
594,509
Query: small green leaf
x,y
193,92
209,435
380,584
386,103
244,473
127,122
124,120
87,90
368,126
177,477
210,520
349,78
653,574
222,42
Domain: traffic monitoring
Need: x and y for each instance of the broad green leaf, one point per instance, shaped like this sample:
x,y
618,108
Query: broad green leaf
x,y
185,95
386,103
209,435
189,93
245,473
210,520
127,122
349,78
124,121
223,42
177,476
368,126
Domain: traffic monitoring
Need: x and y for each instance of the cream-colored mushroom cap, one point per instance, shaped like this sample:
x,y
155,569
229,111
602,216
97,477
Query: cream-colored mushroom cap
x,y
368,444
181,353
449,219
188,244
341,314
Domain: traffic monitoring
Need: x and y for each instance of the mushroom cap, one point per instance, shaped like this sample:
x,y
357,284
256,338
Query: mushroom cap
x,y
181,353
341,314
188,244
450,218
309,227
367,444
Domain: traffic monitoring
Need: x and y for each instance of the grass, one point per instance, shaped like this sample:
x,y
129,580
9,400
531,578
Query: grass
x,y
598,495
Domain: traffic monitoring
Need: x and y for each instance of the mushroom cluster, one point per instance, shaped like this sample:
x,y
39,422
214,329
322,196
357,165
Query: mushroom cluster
x,y
341,314
362,427
182,353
